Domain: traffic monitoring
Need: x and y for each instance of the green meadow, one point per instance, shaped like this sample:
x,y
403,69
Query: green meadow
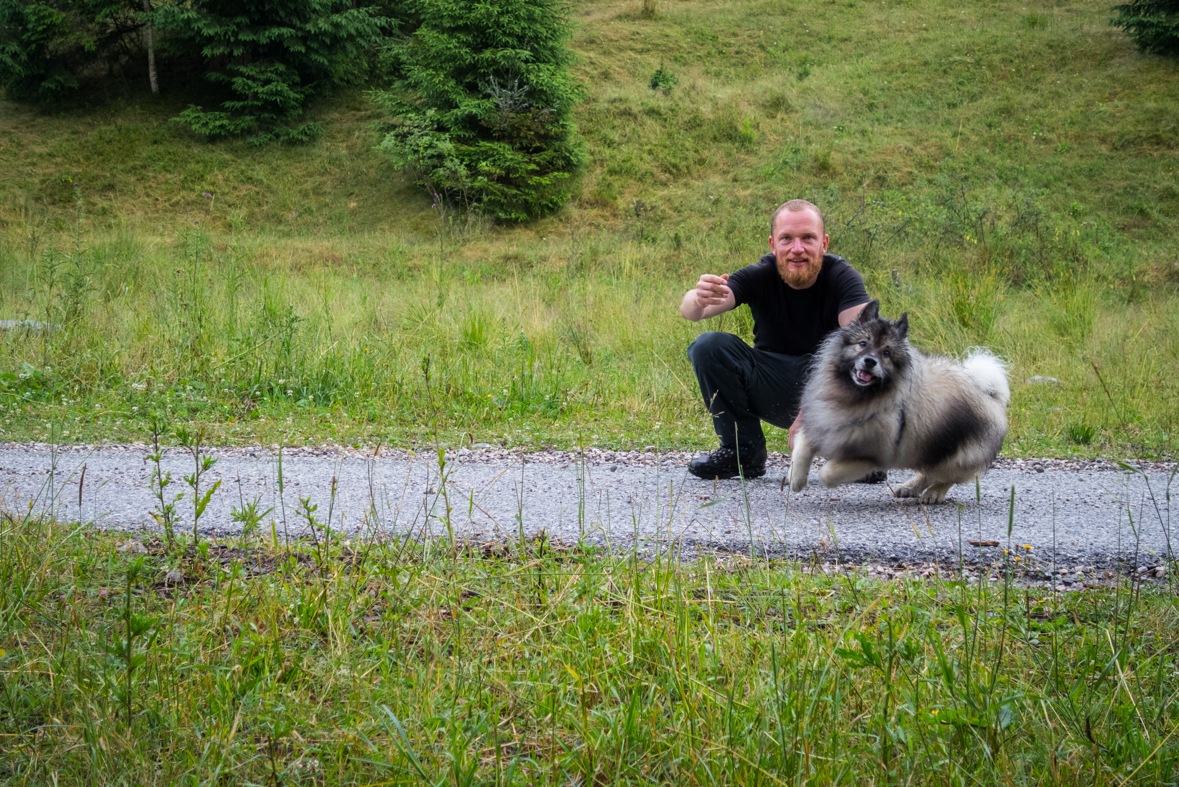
x,y
1004,173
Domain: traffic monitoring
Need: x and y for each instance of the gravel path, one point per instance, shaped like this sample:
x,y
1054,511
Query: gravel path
x,y
1081,510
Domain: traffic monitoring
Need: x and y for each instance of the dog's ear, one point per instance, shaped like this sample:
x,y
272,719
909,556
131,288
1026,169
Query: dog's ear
x,y
869,312
903,325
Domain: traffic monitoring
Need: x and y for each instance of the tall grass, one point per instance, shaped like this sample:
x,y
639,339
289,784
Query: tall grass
x,y
371,662
253,337
1007,183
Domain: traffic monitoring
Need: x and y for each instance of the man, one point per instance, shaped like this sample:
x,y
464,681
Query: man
x,y
798,294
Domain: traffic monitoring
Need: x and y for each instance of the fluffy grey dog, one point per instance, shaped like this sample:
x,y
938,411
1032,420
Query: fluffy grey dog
x,y
873,401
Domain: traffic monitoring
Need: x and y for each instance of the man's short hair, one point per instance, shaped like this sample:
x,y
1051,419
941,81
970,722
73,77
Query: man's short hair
x,y
794,206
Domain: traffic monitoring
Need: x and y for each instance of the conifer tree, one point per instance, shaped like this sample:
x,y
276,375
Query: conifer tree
x,y
483,108
269,58
1153,24
50,48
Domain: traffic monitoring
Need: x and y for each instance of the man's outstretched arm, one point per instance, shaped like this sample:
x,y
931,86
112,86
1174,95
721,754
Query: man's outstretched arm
x,y
710,297
847,315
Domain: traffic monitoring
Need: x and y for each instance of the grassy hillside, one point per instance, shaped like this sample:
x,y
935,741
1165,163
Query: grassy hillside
x,y
1005,174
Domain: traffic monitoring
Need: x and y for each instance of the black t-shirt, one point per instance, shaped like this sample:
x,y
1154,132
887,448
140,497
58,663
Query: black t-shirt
x,y
790,321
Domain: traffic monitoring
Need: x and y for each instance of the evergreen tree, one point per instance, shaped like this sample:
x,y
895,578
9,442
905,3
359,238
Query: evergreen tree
x,y
268,57
484,105
1153,24
50,49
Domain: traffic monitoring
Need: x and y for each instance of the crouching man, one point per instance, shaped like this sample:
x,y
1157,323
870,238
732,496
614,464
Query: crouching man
x,y
797,294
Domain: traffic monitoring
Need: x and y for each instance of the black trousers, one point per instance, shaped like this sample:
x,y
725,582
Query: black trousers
x,y
743,387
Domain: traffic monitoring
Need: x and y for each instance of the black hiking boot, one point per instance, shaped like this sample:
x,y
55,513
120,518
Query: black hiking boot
x,y
875,477
722,464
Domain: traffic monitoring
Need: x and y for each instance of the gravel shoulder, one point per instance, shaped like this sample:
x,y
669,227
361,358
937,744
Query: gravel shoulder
x,y
1086,513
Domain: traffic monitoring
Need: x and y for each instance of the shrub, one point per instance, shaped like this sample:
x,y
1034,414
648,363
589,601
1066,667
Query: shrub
x,y
48,50
483,106
663,80
269,58
1153,24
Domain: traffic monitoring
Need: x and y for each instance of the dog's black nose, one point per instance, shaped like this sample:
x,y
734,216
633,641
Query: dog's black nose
x,y
869,362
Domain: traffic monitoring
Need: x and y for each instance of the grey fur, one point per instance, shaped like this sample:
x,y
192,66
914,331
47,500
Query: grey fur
x,y
874,401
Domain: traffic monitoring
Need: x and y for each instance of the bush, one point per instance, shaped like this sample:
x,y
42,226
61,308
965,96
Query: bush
x,y
269,58
663,80
48,50
483,106
1153,24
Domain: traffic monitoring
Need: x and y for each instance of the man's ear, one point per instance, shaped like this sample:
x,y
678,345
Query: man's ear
x,y
869,312
903,325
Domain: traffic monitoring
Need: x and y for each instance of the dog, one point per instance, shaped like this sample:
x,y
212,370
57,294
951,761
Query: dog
x,y
873,401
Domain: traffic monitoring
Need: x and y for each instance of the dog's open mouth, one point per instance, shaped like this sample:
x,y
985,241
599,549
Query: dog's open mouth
x,y
861,377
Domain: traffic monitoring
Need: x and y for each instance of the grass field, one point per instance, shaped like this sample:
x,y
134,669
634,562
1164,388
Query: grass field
x,y
1005,174
368,661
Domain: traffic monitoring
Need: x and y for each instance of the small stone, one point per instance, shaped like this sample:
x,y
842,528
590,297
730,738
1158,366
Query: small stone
x,y
174,578
27,325
1039,379
132,547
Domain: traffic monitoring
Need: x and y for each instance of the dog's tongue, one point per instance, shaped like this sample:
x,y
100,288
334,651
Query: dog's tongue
x,y
865,377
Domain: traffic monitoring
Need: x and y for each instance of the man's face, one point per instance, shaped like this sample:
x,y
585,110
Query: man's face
x,y
798,244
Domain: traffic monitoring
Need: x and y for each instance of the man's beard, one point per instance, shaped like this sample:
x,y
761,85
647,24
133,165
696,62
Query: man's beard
x,y
800,279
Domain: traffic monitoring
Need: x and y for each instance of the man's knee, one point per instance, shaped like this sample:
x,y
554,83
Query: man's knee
x,y
712,346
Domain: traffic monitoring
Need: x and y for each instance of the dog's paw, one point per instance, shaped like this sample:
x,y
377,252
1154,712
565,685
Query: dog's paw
x,y
935,494
798,478
913,488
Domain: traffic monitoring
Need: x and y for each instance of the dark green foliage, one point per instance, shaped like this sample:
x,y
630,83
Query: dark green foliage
x,y
1153,24
48,50
484,105
663,79
268,59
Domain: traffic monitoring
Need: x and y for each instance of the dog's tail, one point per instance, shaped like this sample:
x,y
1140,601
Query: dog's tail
x,y
990,373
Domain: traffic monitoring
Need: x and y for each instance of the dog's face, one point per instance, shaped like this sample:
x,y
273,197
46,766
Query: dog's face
x,y
874,351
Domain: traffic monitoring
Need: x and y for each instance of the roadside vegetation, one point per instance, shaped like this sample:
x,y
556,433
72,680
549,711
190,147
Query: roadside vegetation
x,y
1006,175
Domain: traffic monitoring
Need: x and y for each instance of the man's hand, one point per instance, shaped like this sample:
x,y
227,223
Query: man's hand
x,y
712,290
711,297
794,427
